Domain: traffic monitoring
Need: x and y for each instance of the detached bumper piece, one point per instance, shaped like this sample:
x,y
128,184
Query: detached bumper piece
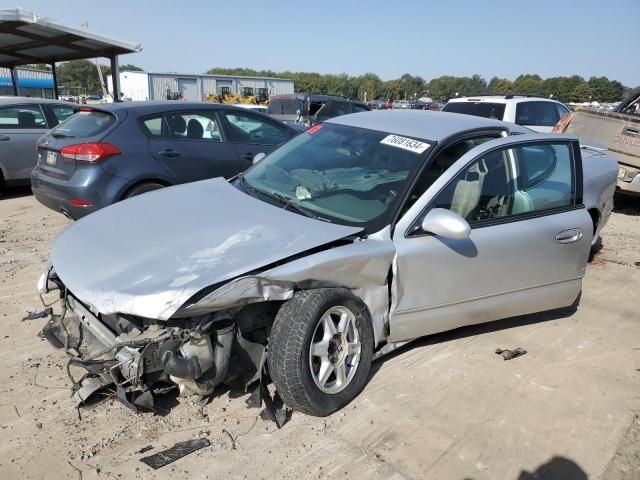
x,y
132,356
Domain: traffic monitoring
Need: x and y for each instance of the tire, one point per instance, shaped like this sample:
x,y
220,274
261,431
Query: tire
x,y
143,188
296,370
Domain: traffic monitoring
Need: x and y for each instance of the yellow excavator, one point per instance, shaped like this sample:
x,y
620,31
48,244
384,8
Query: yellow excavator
x,y
258,96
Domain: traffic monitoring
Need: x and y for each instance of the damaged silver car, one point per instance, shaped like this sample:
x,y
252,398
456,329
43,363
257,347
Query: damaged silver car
x,y
364,232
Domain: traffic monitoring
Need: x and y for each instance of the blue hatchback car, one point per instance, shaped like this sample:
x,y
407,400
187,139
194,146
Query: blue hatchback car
x,y
106,153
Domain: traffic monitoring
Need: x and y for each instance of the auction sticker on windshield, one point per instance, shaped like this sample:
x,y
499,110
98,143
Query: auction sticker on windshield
x,y
405,143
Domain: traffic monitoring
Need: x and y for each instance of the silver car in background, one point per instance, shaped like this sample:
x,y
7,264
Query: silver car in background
x,y
368,230
23,120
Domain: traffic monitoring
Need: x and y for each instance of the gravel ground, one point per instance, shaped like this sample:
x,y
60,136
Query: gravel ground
x,y
443,407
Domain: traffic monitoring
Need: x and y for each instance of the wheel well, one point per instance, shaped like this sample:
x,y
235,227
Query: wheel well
x,y
595,218
141,182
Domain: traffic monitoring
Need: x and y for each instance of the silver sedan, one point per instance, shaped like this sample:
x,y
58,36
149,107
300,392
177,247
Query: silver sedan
x,y
366,231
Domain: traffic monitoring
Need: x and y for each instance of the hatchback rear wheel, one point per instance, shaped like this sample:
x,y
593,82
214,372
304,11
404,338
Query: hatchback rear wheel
x,y
320,350
143,188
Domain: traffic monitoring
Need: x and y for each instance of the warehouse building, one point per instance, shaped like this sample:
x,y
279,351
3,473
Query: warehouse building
x,y
31,82
174,86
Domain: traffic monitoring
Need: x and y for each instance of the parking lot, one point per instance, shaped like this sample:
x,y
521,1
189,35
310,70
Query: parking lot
x,y
444,407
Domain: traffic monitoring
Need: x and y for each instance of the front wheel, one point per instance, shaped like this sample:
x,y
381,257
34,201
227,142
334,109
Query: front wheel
x,y
320,350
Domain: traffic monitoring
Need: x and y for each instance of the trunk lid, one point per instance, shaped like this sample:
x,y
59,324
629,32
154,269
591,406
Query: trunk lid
x,y
86,126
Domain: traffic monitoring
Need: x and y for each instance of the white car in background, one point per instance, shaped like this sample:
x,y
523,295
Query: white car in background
x,y
540,114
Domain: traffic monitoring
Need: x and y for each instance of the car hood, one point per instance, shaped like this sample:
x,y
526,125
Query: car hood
x,y
148,255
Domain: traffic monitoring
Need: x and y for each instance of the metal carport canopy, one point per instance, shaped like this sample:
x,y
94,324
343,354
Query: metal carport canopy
x,y
26,38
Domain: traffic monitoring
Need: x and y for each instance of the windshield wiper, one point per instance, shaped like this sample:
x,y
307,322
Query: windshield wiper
x,y
287,203
62,135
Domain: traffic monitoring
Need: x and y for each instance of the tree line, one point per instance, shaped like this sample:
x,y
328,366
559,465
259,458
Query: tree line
x,y
565,89
83,74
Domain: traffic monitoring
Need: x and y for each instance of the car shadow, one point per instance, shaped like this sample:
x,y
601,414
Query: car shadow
x,y
626,204
472,331
7,193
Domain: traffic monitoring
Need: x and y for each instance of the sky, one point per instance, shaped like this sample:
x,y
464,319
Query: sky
x,y
429,38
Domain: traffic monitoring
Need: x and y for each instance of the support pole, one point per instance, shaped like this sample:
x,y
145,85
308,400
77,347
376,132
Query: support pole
x,y
55,80
14,81
115,78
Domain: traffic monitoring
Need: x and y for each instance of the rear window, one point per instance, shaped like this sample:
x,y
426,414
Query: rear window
x,y
284,106
478,109
84,124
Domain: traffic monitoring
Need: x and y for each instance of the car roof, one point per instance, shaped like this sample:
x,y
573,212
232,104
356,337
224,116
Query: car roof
x,y
11,100
502,99
425,124
312,96
145,107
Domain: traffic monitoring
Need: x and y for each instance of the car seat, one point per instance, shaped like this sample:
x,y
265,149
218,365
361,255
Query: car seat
x,y
26,120
195,130
177,125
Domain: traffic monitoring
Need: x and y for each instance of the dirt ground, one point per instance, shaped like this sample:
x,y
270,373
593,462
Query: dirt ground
x,y
445,407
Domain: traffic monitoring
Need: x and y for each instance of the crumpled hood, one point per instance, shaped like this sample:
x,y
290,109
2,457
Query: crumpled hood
x,y
148,255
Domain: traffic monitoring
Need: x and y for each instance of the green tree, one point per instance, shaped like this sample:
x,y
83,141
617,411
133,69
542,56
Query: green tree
x,y
500,86
128,67
81,74
582,93
528,84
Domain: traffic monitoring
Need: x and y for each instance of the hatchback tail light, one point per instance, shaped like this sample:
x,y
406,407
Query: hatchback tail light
x,y
89,152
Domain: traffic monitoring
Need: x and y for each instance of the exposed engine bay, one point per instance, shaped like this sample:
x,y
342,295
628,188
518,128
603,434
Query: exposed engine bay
x,y
137,357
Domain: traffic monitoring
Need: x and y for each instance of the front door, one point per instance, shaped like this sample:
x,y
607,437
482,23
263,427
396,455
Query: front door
x,y
252,134
20,127
529,242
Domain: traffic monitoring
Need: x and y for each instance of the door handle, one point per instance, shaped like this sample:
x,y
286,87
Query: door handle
x,y
569,236
4,138
247,156
169,152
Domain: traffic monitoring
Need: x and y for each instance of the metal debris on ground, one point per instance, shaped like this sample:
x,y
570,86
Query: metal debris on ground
x,y
35,315
510,354
174,453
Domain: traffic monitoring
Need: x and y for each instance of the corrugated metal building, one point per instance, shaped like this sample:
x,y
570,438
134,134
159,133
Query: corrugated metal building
x,y
32,83
163,86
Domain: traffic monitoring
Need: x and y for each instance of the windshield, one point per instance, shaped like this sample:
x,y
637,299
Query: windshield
x,y
341,174
478,109
284,106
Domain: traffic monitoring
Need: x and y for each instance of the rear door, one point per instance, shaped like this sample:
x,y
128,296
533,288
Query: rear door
x,y
529,242
191,145
20,128
252,134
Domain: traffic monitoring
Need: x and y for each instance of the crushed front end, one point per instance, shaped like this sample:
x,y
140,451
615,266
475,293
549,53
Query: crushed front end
x,y
137,357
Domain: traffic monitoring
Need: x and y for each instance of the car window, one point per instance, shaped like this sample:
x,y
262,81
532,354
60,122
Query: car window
x,y
359,108
478,109
61,112
247,128
341,108
22,117
84,124
185,126
562,110
511,182
543,114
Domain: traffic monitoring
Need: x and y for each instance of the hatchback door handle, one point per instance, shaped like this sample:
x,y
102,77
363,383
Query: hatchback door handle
x,y
569,236
4,138
247,156
169,153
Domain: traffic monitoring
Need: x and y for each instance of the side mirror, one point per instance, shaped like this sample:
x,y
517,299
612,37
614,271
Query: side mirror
x,y
258,156
446,224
